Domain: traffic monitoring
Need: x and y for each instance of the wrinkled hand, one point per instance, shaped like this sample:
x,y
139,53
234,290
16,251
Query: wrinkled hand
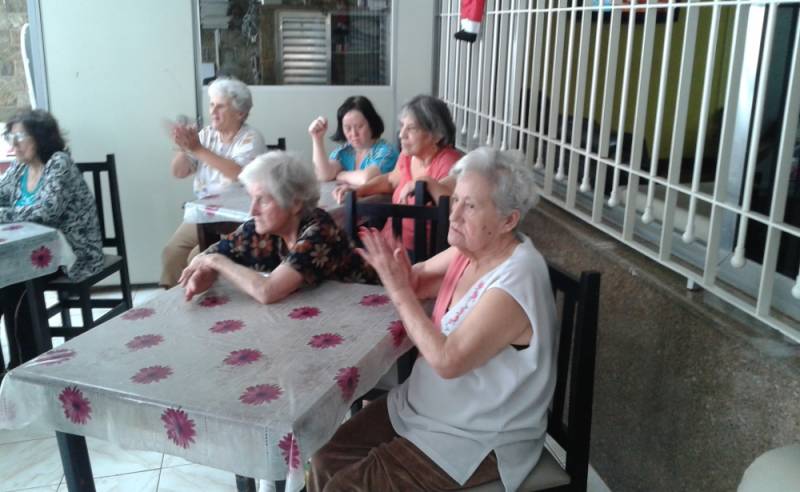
x,y
186,137
407,191
198,277
318,127
389,259
340,192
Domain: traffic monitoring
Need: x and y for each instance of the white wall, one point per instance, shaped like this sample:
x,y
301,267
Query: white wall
x,y
114,70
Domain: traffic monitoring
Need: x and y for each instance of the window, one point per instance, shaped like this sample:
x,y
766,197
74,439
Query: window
x,y
287,42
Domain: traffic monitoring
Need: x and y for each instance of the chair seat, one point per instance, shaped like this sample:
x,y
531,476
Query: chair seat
x,y
110,264
546,474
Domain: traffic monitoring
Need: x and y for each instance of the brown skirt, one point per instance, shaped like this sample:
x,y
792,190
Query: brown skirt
x,y
366,454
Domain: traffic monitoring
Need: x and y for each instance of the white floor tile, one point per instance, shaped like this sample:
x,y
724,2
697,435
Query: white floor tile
x,y
49,488
170,461
108,459
30,464
146,481
196,477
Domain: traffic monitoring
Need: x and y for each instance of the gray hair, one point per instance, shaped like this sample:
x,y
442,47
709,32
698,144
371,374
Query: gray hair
x,y
285,177
433,116
235,90
513,180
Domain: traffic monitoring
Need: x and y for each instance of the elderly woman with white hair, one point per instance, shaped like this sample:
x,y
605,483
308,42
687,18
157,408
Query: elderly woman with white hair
x,y
289,236
474,409
215,156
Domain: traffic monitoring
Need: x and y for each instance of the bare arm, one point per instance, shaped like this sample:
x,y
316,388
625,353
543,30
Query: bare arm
x,y
187,138
280,283
324,168
360,177
430,273
493,324
181,166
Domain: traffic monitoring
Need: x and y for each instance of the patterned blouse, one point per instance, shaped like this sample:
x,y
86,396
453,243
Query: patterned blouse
x,y
63,201
322,251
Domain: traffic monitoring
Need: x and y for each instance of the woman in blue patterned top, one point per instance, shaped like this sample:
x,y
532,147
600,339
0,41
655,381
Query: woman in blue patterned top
x,y
288,236
362,154
43,185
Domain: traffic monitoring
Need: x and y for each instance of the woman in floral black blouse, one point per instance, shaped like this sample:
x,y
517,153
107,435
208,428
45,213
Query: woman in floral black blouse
x,y
43,185
299,244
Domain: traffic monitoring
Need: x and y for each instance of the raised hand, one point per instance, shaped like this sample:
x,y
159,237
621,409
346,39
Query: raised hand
x,y
389,259
318,127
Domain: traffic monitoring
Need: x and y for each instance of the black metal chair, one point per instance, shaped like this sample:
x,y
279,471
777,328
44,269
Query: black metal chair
x,y
430,237
433,219
281,145
78,295
570,417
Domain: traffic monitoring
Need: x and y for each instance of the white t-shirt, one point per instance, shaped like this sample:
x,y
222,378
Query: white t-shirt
x,y
245,146
500,406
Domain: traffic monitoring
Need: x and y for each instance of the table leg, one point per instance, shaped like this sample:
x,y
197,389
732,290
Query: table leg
x,y
75,460
34,290
245,484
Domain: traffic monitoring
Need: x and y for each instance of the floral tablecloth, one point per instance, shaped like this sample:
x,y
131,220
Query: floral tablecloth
x,y
221,380
233,205
29,250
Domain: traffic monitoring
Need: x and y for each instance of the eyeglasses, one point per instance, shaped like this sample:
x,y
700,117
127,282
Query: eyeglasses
x,y
15,138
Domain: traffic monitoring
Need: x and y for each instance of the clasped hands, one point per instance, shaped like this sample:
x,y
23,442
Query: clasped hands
x,y
389,259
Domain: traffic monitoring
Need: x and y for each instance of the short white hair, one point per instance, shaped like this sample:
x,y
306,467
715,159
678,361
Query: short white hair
x,y
285,177
513,180
234,90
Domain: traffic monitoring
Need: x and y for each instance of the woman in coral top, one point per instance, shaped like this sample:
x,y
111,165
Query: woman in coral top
x,y
427,136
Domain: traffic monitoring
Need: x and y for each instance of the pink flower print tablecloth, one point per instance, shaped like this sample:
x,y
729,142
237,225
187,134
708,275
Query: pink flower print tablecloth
x,y
29,250
221,380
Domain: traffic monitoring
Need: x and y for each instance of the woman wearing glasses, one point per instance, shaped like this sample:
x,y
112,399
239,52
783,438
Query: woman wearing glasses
x,y
43,185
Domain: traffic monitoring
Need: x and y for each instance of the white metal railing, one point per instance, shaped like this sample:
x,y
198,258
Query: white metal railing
x,y
671,127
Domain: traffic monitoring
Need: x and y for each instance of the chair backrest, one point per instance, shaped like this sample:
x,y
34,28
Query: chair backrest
x,y
281,145
435,219
570,418
96,171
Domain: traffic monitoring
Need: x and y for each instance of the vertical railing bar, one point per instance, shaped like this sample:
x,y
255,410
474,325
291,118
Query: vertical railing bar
x,y
492,94
678,130
523,114
585,185
456,80
647,215
613,200
781,186
545,81
447,50
479,89
580,95
536,79
609,91
466,89
555,96
567,83
639,121
737,261
688,235
730,110
511,60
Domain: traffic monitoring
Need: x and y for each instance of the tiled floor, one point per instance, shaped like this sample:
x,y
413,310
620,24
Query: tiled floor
x,y
29,460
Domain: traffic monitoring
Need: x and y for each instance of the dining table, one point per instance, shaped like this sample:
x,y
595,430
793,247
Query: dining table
x,y
219,380
28,253
222,213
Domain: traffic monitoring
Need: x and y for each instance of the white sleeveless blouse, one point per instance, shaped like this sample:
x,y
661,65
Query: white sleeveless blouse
x,y
500,406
